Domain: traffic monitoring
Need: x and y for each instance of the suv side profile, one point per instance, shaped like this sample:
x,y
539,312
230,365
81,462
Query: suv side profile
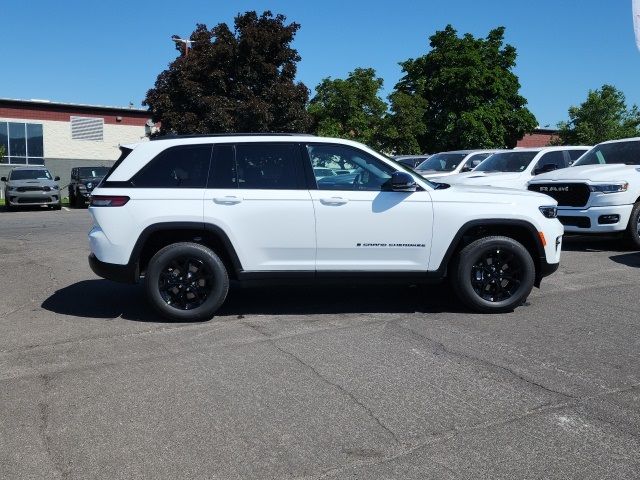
x,y
187,215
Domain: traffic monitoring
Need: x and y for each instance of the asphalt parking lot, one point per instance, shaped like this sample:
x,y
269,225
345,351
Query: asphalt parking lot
x,y
362,382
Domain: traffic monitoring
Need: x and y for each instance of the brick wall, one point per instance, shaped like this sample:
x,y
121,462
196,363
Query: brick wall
x,y
539,138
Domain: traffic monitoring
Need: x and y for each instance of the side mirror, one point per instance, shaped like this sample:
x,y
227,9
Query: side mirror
x,y
466,168
402,182
57,179
549,167
3,179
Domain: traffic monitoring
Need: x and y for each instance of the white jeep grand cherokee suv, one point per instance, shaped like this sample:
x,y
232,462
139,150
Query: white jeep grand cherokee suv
x,y
188,214
600,193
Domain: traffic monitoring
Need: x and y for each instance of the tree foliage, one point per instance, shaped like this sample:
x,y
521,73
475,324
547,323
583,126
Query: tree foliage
x,y
350,108
604,115
461,94
234,81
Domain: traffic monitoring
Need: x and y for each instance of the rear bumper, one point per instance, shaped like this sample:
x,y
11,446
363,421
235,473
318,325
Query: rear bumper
x,y
113,271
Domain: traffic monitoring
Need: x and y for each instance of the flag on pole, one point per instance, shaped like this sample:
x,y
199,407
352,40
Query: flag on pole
x,y
636,20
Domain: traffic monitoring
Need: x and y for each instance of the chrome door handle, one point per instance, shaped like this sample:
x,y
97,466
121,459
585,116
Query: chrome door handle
x,y
333,201
229,200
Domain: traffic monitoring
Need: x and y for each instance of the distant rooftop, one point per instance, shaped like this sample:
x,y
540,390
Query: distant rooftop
x,y
45,103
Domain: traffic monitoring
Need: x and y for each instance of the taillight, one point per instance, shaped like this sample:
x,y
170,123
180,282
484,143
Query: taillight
x,y
108,201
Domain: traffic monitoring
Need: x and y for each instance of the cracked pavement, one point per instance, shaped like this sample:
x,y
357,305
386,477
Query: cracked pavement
x,y
366,382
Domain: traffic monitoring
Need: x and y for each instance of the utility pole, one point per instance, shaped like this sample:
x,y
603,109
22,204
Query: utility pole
x,y
187,43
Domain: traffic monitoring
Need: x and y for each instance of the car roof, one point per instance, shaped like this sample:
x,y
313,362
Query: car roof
x,y
632,139
475,150
29,167
551,149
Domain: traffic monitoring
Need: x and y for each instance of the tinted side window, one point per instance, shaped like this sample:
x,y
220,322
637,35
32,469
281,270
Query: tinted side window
x,y
575,154
184,166
367,172
223,172
273,166
552,158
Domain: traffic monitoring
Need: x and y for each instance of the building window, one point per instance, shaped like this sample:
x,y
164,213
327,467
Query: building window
x,y
22,143
87,128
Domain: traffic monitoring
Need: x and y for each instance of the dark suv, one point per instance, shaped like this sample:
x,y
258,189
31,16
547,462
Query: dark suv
x,y
83,181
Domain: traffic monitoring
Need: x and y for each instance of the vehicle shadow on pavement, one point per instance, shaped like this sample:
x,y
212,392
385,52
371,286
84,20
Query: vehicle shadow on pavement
x,y
628,259
107,300
580,243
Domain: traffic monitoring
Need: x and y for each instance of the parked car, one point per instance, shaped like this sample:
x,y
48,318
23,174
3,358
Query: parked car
x,y
450,163
83,181
514,168
411,161
31,186
600,193
187,214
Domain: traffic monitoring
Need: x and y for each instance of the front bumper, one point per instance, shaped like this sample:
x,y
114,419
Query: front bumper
x,y
113,271
33,198
587,220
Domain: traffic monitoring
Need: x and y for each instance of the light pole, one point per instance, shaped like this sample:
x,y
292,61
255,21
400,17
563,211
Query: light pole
x,y
187,43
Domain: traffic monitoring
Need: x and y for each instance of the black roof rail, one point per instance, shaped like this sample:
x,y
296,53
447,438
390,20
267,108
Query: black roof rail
x,y
203,135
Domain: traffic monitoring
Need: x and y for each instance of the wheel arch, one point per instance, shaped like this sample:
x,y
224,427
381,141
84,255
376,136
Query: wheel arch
x,y
159,235
520,230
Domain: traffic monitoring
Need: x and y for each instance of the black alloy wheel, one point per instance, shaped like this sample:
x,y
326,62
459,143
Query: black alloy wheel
x,y
493,274
186,281
497,275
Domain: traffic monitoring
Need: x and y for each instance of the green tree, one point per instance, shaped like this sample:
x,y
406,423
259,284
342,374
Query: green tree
x,y
467,91
350,108
604,115
234,81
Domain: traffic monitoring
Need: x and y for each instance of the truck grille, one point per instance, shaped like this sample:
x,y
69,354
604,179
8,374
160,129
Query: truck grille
x,y
566,194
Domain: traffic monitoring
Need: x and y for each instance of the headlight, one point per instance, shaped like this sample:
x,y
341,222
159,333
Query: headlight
x,y
609,187
56,187
549,212
89,185
12,189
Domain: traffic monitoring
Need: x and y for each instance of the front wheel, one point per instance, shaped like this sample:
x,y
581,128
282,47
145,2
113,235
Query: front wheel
x,y
186,282
633,228
493,274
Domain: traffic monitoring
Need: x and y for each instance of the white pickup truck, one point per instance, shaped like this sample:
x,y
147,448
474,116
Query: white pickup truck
x,y
514,168
600,193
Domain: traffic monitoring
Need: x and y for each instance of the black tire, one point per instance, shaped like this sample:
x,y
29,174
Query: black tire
x,y
632,233
177,296
57,207
79,201
72,198
479,274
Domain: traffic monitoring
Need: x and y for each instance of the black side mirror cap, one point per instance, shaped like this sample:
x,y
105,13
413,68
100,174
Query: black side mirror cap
x,y
56,179
3,179
403,182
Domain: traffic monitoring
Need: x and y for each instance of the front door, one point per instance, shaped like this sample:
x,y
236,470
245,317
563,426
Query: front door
x,y
360,224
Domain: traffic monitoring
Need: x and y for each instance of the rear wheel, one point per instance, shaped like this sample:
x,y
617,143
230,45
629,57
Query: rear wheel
x,y
493,274
186,282
633,228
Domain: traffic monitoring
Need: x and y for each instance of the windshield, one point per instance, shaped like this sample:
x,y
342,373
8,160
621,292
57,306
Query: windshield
x,y
92,172
36,174
506,162
442,162
619,152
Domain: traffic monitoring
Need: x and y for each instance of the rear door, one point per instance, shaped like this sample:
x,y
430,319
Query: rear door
x,y
257,194
361,225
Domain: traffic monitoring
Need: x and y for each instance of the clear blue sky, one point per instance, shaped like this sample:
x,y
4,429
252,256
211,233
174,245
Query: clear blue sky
x,y
110,52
